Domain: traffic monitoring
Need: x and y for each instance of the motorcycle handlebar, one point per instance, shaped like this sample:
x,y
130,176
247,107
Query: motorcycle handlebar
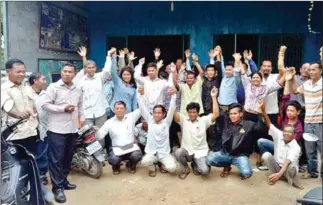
x,y
10,126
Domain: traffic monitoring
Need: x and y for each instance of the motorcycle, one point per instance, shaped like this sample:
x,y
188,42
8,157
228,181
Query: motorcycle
x,y
20,184
88,156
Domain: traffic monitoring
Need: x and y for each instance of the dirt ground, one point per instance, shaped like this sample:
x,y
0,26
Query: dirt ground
x,y
167,189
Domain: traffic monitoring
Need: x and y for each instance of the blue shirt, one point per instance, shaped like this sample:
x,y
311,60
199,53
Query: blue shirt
x,y
108,92
122,91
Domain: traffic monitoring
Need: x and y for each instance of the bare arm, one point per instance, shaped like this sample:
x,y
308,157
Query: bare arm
x,y
281,58
215,106
197,65
264,114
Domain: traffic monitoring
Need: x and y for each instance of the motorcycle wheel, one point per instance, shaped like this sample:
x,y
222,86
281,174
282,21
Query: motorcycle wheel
x,y
96,169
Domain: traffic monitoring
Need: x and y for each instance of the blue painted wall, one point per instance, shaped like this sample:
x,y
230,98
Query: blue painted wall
x,y
200,20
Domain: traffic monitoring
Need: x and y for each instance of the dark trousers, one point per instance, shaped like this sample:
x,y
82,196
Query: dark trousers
x,y
60,154
273,118
42,157
29,143
173,137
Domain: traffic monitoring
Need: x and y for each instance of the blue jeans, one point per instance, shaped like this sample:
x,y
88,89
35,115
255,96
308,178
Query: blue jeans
x,y
312,147
265,145
219,159
41,157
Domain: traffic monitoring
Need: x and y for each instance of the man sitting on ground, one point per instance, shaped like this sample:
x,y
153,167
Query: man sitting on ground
x,y
286,153
121,129
236,144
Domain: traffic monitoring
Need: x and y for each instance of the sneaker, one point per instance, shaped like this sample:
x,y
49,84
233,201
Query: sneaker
x,y
303,169
261,167
309,176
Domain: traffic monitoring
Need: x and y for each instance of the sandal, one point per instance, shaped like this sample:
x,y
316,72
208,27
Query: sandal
x,y
225,173
131,169
162,168
116,170
152,173
184,174
194,168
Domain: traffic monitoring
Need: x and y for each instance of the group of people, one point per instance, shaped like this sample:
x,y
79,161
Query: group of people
x,y
175,114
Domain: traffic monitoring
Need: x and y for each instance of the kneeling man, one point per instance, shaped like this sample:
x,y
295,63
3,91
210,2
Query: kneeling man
x,y
194,147
236,144
121,129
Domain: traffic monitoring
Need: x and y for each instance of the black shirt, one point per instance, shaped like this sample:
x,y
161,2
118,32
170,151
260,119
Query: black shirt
x,y
237,138
207,87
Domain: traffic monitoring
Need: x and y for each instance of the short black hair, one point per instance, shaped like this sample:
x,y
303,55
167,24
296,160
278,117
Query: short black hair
x,y
189,72
120,102
317,62
236,105
11,62
193,106
160,106
230,63
154,65
69,65
34,76
258,73
295,104
210,66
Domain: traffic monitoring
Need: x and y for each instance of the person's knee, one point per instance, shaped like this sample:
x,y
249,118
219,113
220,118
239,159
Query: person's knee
x,y
179,153
171,167
205,170
147,161
266,156
114,160
246,172
212,159
136,156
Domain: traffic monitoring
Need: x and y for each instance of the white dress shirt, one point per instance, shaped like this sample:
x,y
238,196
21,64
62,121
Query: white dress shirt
x,y
158,132
153,89
194,135
283,152
122,132
272,98
42,114
94,101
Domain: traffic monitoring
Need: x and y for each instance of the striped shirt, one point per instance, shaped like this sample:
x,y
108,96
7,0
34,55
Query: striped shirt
x,y
313,100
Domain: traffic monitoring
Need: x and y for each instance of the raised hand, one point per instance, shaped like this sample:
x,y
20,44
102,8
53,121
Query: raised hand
x,y
195,57
237,56
172,67
261,105
289,74
112,51
82,51
141,91
187,53
214,92
121,54
282,50
157,53
142,61
249,55
160,64
132,56
212,53
172,91
126,51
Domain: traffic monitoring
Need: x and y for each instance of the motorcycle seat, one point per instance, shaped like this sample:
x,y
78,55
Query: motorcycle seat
x,y
313,197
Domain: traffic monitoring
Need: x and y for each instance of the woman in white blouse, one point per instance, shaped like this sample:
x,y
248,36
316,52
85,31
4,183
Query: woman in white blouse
x,y
157,147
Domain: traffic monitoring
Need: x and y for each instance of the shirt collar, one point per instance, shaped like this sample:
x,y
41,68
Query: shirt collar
x,y
240,123
61,83
319,82
197,119
88,78
116,119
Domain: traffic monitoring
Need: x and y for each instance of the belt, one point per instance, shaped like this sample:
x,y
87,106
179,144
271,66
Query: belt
x,y
224,107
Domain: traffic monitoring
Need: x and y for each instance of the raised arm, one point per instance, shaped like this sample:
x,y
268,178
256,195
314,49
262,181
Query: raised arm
x,y
82,51
215,106
103,131
262,108
121,60
197,65
172,107
131,58
138,72
187,61
143,109
252,64
281,58
106,71
218,53
115,78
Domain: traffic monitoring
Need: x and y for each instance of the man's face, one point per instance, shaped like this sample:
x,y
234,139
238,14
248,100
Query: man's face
x,y
228,70
152,72
144,124
288,134
90,69
67,73
210,72
291,112
41,82
179,63
314,71
119,110
190,79
235,115
192,114
304,69
266,67
17,73
158,114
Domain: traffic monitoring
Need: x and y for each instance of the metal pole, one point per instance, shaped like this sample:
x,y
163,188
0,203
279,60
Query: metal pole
x,y
235,42
5,29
